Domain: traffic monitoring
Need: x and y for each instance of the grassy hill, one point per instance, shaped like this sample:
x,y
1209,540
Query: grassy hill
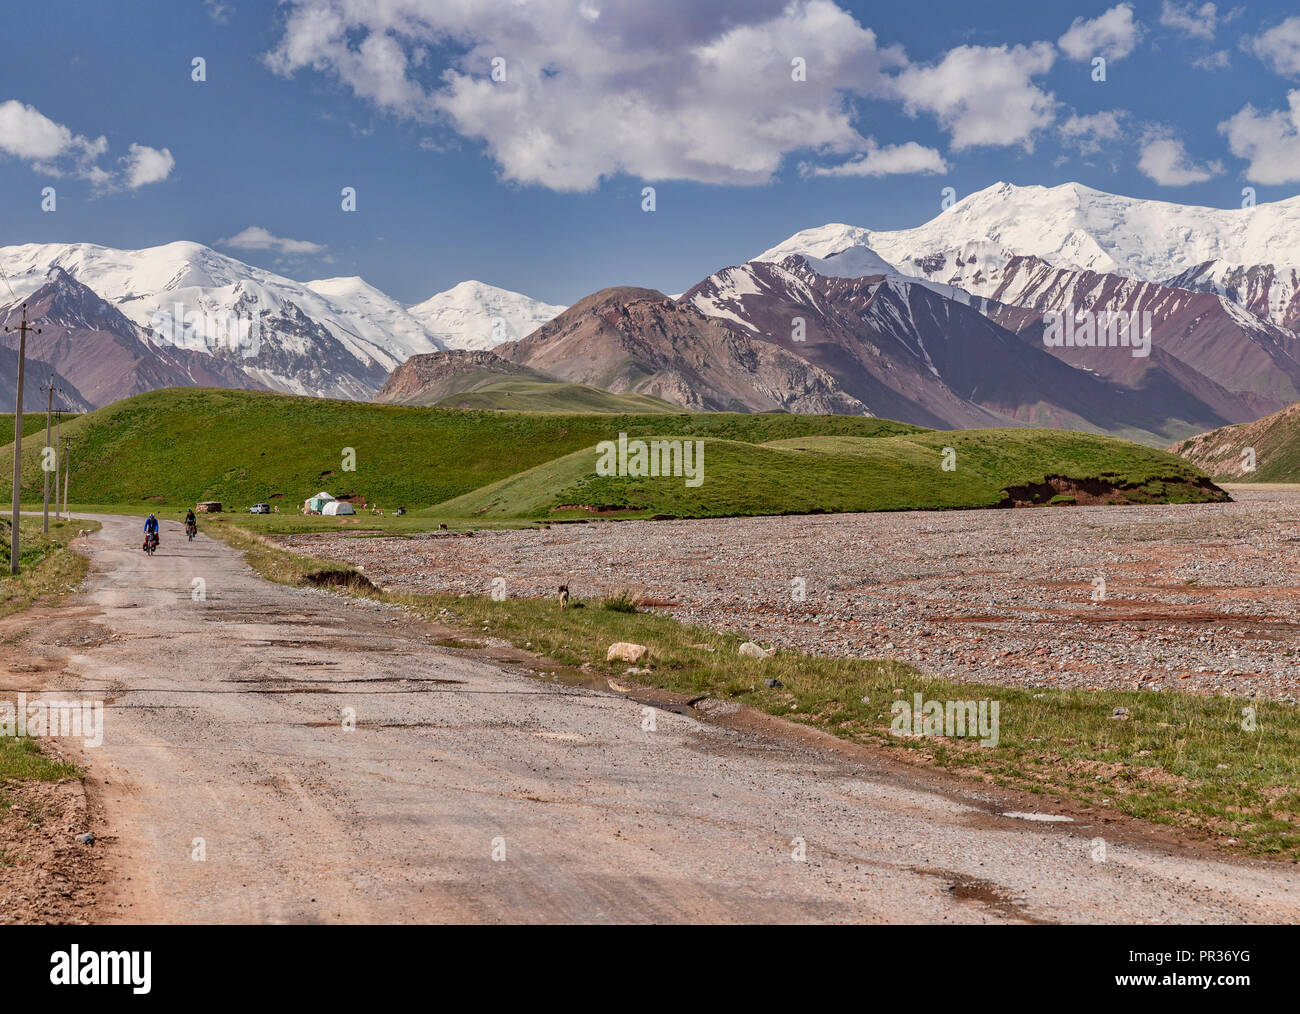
x,y
175,447
32,421
1275,440
168,449
846,473
529,395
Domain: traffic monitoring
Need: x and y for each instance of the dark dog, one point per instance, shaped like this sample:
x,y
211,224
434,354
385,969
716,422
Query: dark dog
x,y
564,596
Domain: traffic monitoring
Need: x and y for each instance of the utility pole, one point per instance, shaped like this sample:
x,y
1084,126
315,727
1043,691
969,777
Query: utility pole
x,y
45,463
67,471
22,329
58,457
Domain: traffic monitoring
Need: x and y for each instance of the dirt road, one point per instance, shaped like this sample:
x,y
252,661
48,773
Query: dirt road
x,y
227,788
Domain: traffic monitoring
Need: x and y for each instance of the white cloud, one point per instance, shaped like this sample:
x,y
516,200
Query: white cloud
x,y
1113,34
984,95
1269,141
1164,159
1090,134
219,12
1197,22
1279,47
52,149
1218,60
48,147
147,165
890,160
257,238
671,90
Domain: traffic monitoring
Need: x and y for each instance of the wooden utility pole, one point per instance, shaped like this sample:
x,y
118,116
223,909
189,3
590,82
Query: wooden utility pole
x,y
67,471
45,454
58,456
22,329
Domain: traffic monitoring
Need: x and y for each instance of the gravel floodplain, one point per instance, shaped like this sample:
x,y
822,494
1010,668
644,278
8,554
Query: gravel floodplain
x,y
1200,598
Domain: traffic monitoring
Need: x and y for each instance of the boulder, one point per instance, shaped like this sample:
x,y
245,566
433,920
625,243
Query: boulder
x,y
751,650
626,651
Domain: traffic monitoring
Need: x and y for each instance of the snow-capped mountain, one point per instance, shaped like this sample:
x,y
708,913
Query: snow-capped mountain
x,y
910,352
97,354
1251,255
374,314
335,338
473,315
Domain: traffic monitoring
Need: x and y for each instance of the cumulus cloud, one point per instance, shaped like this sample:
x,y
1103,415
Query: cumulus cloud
x,y
890,160
257,238
147,165
984,95
1164,159
672,90
1270,142
48,147
1279,47
52,149
1197,22
1091,133
1113,34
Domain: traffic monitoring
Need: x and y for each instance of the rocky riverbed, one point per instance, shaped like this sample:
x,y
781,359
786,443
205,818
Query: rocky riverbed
x,y
1201,597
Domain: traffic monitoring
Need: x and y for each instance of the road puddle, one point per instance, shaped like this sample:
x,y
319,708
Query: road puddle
x,y
1044,818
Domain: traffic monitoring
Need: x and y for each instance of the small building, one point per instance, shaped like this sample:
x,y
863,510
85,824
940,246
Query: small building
x,y
208,507
316,504
338,507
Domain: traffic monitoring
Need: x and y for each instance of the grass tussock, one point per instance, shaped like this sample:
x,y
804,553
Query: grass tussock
x,y
620,602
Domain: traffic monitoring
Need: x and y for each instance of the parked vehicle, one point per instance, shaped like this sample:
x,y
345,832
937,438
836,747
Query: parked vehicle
x,y
260,508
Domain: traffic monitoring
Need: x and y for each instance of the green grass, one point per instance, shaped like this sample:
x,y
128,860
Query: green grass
x,y
32,422
46,566
1275,440
48,569
1178,759
175,447
622,602
529,395
831,474
21,759
169,449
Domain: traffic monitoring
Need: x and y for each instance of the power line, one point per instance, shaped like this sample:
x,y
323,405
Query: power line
x,y
6,278
22,330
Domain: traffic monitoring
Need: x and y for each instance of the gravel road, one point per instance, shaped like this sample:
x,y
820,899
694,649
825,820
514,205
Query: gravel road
x,y
228,790
1182,597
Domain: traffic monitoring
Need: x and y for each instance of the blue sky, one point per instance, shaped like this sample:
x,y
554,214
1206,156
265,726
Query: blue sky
x,y
534,183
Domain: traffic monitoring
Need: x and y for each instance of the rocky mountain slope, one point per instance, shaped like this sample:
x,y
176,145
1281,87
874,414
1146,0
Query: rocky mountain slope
x,y
427,379
1264,450
630,340
100,355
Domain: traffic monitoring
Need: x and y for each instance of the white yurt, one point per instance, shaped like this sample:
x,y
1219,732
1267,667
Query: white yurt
x,y
338,507
316,504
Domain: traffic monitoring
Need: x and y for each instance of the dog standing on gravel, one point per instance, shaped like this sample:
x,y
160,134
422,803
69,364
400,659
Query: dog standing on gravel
x,y
564,596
